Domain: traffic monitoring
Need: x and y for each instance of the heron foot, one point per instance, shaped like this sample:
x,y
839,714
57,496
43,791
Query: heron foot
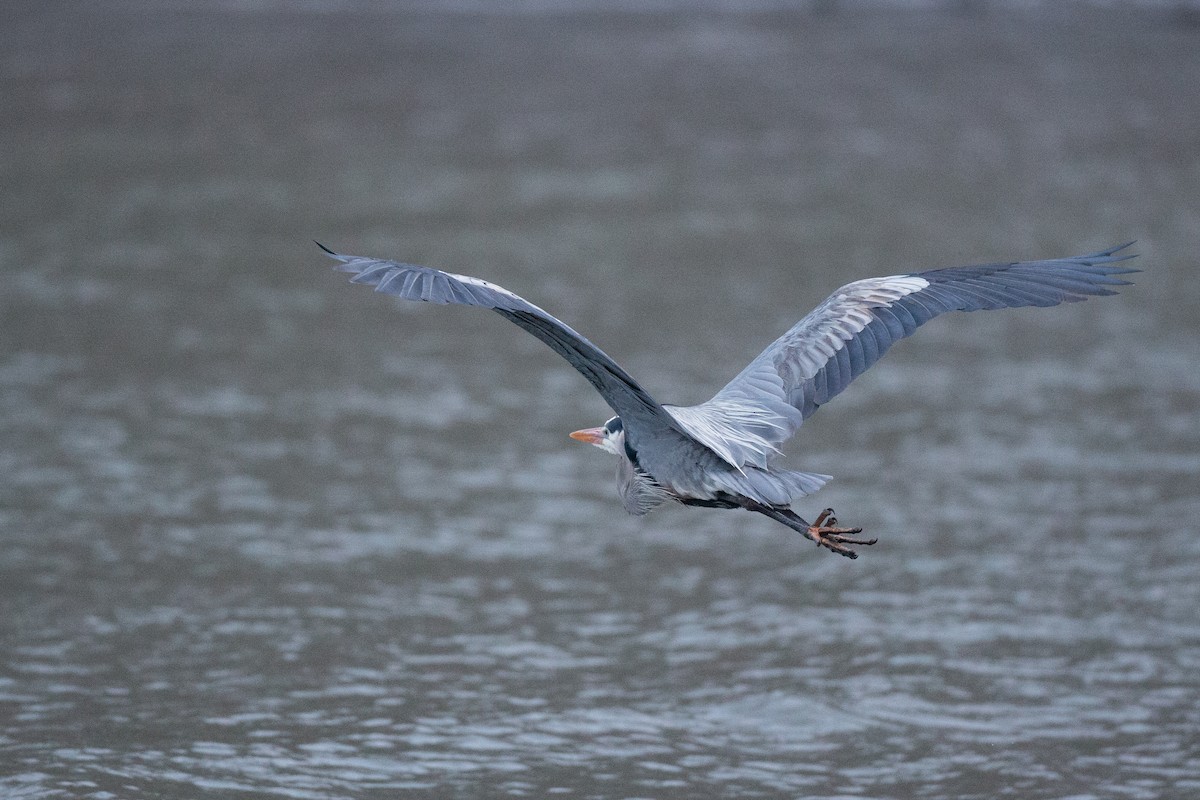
x,y
826,533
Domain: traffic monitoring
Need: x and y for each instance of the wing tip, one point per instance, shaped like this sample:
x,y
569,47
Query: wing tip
x,y
345,260
1109,256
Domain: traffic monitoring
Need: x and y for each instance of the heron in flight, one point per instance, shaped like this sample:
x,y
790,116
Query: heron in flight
x,y
722,453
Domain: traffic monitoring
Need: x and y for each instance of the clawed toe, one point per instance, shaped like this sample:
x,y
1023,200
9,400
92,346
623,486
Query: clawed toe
x,y
826,533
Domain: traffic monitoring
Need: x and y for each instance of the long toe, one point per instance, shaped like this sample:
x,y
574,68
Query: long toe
x,y
826,533
840,549
851,540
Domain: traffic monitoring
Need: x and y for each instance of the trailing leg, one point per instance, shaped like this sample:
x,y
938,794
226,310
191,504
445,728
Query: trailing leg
x,y
824,531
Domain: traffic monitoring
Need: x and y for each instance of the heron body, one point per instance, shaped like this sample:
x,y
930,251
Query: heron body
x,y
723,453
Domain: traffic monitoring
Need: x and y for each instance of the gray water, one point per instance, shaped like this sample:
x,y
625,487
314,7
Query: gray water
x,y
265,534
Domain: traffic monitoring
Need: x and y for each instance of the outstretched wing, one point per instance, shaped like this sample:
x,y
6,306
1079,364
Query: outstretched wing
x,y
622,393
747,421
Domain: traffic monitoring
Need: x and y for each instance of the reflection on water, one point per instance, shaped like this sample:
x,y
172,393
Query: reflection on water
x,y
265,533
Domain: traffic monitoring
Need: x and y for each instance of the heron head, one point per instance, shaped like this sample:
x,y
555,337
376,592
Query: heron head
x,y
609,437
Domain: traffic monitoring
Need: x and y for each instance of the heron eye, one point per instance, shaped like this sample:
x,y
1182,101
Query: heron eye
x,y
613,425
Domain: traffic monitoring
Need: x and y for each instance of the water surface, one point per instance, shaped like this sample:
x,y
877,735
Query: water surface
x,y
266,534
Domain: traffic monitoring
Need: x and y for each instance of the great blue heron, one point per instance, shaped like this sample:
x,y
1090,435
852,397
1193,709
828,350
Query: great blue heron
x,y
720,454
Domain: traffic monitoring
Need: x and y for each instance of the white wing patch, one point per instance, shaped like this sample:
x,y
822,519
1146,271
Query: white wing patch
x,y
479,282
500,290
817,338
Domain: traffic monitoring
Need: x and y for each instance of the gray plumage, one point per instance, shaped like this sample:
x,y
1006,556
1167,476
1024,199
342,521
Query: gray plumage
x,y
721,452
640,492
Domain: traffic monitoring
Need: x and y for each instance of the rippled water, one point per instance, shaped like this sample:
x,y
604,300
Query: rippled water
x,y
266,534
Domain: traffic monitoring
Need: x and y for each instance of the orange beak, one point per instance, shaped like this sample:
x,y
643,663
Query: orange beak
x,y
590,435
